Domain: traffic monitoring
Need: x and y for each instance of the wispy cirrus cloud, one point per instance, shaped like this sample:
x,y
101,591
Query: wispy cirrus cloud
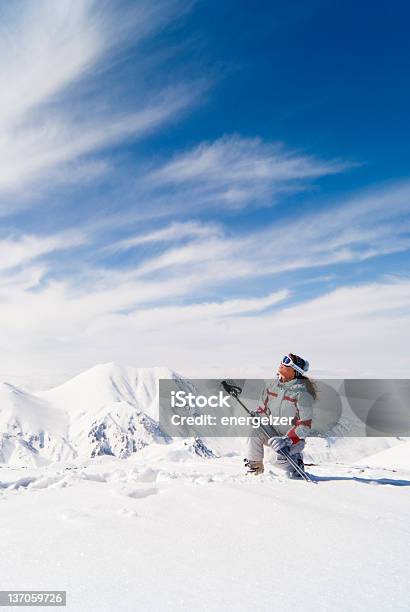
x,y
231,173
235,159
169,304
27,248
236,172
370,225
33,151
55,108
198,258
174,232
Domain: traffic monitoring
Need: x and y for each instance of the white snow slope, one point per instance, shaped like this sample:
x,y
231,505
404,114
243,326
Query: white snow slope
x,y
165,529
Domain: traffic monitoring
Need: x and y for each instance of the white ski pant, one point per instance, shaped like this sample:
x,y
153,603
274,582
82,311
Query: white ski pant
x,y
256,446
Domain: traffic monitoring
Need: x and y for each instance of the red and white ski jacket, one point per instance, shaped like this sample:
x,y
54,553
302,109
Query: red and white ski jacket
x,y
292,400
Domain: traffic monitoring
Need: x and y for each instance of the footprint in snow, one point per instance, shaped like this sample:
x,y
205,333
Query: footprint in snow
x,y
127,512
49,481
94,477
74,516
203,480
141,493
21,483
148,475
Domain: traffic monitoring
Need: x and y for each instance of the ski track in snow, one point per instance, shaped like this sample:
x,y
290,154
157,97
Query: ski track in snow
x,y
155,534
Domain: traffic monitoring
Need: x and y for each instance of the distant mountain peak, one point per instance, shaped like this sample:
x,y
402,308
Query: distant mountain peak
x,y
107,409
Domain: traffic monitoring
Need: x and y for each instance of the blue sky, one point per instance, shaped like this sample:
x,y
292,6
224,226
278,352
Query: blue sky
x,y
203,185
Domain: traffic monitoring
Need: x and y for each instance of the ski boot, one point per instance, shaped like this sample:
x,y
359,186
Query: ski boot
x,y
254,467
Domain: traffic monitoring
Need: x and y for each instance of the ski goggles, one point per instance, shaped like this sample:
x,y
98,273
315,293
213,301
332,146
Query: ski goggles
x,y
287,361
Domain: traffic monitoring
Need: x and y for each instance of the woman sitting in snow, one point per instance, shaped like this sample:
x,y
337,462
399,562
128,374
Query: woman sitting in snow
x,y
291,395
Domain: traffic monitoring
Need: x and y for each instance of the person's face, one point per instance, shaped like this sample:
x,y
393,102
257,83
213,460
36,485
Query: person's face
x,y
286,372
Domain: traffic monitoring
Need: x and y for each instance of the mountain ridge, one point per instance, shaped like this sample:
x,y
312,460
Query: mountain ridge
x,y
107,409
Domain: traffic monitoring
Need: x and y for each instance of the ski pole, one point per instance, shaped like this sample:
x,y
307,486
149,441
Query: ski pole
x,y
234,392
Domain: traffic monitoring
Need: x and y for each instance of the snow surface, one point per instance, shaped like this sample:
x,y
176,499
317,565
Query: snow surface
x,y
167,530
155,526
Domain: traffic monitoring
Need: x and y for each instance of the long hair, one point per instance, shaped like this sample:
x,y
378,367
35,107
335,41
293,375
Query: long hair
x,y
310,385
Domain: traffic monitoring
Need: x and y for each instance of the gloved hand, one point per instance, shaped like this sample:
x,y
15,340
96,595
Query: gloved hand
x,y
280,444
231,389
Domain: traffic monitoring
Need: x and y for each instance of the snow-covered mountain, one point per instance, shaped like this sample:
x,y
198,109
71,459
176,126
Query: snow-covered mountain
x,y
113,410
32,431
106,410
